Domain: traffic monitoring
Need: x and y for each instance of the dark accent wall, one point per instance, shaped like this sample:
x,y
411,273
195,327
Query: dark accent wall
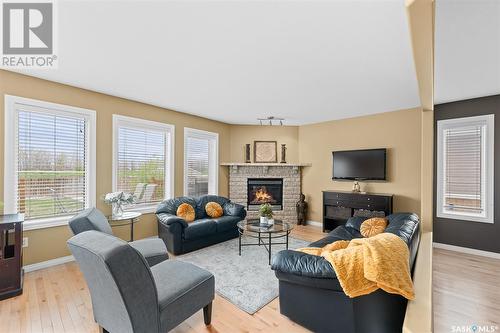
x,y
475,235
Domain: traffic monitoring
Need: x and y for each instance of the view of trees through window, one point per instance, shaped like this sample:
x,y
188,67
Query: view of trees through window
x,y
51,162
141,164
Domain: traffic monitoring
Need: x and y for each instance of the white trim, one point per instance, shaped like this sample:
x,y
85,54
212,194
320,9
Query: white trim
x,y
315,224
213,164
138,123
466,250
47,264
10,160
488,121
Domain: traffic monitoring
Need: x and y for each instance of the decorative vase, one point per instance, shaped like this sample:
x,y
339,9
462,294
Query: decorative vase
x,y
247,153
283,153
270,221
117,209
263,220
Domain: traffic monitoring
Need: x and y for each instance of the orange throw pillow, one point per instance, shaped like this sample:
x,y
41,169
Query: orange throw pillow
x,y
213,209
186,211
373,226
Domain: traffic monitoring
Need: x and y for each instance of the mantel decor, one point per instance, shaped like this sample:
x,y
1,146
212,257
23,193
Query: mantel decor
x,y
265,152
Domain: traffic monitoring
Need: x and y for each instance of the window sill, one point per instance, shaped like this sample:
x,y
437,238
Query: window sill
x,y
464,217
46,223
150,209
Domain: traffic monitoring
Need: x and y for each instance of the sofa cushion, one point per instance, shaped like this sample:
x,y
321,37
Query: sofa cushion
x,y
202,201
170,206
213,209
225,223
355,222
186,211
200,228
339,233
373,226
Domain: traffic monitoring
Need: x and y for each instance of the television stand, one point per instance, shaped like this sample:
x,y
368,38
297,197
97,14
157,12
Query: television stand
x,y
339,206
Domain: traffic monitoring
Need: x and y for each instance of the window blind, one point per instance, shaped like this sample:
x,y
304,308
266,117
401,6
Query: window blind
x,y
141,163
463,179
51,163
197,164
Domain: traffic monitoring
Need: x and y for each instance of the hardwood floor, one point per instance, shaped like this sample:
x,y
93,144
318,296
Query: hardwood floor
x,y
466,291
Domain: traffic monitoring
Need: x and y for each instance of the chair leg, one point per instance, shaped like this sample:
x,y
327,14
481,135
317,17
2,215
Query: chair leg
x,y
207,314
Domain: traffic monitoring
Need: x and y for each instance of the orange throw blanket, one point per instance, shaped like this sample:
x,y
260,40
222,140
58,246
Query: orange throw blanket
x,y
364,265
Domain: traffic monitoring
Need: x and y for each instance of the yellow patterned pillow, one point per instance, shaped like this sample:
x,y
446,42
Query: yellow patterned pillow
x,y
373,226
186,211
213,209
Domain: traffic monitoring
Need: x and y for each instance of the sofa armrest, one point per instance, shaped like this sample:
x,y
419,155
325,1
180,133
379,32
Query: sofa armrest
x,y
169,219
302,264
233,209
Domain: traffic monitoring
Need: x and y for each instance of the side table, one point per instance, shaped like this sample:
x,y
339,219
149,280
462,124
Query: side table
x,y
125,219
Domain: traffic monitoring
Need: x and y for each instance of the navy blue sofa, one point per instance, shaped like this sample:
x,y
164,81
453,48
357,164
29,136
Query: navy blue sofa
x,y
181,237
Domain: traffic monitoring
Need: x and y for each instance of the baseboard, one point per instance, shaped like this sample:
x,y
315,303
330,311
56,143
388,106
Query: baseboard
x,y
466,250
47,264
315,224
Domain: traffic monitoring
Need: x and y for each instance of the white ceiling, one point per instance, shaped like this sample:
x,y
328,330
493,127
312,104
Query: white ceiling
x,y
235,61
467,51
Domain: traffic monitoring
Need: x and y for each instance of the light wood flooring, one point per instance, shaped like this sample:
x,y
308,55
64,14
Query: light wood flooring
x,y
466,291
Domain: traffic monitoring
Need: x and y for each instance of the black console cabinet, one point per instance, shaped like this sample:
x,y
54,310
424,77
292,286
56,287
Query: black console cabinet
x,y
338,206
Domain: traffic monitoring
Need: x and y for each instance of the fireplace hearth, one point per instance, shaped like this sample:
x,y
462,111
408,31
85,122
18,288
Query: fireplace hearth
x,y
264,190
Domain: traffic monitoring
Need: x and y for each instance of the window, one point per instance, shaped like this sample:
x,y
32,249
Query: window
x,y
465,168
49,160
201,162
143,160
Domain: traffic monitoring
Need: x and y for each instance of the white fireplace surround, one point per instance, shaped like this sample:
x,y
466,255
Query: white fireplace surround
x,y
291,174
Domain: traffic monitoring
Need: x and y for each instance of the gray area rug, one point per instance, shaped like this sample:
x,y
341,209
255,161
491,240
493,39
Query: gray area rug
x,y
247,281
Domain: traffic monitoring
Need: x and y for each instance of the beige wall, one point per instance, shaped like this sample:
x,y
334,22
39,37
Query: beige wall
x,y
45,244
243,134
399,131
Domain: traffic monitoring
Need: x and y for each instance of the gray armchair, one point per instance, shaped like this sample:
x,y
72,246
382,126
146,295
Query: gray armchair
x,y
153,249
128,296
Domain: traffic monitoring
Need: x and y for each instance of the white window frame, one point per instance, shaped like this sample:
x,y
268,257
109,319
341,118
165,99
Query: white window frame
x,y
138,123
213,162
487,167
10,159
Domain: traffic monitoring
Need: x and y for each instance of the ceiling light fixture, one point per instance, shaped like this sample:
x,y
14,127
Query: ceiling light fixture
x,y
272,121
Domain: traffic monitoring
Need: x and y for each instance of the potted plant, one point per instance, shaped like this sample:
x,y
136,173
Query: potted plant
x,y
266,214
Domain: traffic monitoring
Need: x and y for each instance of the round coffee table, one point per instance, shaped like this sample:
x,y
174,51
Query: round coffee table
x,y
265,234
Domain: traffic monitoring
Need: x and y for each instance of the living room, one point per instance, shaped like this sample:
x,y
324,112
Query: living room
x,y
230,134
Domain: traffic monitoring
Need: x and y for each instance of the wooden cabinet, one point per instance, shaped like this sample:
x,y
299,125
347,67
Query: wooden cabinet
x,y
338,206
11,257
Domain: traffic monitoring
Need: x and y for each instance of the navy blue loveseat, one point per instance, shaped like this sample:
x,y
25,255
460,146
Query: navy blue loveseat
x,y
181,237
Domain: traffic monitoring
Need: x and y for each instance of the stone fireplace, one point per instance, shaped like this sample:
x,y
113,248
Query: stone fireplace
x,y
251,184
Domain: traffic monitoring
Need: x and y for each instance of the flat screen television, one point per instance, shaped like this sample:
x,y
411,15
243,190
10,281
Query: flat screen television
x,y
367,164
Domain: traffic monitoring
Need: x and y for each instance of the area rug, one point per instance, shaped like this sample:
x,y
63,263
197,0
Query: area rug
x,y
247,281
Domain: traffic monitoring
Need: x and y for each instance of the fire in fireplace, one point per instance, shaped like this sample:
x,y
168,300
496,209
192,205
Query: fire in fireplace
x,y
265,190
